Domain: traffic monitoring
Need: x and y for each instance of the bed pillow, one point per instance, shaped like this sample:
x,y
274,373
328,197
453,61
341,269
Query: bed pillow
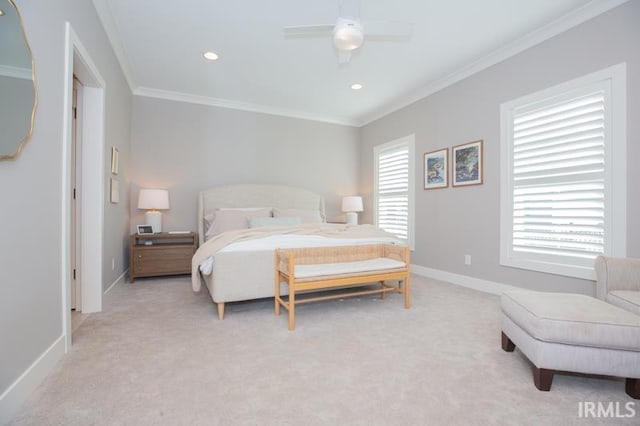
x,y
306,216
232,219
258,222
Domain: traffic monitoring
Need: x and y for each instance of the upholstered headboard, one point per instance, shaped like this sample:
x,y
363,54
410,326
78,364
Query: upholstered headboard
x,y
282,197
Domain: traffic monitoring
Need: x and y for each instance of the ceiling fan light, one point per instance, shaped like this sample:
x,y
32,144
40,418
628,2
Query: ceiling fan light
x,y
348,36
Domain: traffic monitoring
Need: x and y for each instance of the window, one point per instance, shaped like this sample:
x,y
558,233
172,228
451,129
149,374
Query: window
x,y
563,191
394,187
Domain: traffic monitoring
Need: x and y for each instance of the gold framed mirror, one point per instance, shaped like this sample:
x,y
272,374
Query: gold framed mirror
x,y
18,95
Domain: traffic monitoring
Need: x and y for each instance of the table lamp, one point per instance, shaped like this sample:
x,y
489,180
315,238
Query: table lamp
x,y
153,200
351,206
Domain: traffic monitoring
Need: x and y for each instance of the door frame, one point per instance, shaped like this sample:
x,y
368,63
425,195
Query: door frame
x,y
78,62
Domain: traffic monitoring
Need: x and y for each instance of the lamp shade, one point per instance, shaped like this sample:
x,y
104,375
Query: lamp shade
x,y
352,204
153,199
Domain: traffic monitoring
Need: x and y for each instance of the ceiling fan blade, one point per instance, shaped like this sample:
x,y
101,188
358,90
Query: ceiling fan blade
x,y
387,29
344,56
304,30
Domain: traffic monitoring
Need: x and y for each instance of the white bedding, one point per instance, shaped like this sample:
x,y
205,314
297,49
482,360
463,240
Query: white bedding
x,y
292,241
273,242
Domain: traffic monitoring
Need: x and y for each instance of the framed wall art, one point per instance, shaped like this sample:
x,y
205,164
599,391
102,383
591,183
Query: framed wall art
x,y
114,160
115,191
467,164
436,170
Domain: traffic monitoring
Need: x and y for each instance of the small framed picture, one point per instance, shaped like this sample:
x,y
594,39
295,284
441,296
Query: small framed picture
x,y
467,164
114,160
115,191
145,229
436,171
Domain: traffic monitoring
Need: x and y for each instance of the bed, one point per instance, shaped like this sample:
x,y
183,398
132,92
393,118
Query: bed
x,y
241,226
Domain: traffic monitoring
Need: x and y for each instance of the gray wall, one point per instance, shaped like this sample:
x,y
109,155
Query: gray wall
x,y
453,222
30,258
187,148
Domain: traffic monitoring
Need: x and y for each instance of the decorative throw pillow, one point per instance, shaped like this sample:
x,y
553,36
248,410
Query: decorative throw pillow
x,y
232,219
258,222
306,216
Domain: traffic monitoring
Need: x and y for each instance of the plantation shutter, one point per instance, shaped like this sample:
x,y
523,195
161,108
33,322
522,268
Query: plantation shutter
x,y
558,175
393,190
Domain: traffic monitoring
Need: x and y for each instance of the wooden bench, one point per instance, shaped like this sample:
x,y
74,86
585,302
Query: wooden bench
x,y
326,268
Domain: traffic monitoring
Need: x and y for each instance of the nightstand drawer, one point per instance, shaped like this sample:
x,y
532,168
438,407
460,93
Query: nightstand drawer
x,y
162,260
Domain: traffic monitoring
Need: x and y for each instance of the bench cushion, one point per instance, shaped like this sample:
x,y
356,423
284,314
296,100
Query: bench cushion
x,y
572,319
345,268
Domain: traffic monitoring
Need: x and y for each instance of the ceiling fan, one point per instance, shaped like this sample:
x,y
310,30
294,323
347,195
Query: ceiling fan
x,y
349,31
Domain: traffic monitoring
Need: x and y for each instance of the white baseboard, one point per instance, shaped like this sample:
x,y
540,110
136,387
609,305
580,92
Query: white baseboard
x,y
120,278
12,399
462,280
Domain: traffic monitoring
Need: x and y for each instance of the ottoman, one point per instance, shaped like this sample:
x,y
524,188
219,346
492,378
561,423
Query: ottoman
x,y
572,332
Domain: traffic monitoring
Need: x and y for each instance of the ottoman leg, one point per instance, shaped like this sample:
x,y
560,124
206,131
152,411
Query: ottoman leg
x,y
507,344
542,378
633,388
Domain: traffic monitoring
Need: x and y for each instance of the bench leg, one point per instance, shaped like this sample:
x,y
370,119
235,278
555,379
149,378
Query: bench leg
x,y
632,387
220,311
292,308
383,295
276,292
407,292
542,378
507,344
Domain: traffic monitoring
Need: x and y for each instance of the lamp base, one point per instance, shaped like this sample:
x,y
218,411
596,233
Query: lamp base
x,y
154,218
352,218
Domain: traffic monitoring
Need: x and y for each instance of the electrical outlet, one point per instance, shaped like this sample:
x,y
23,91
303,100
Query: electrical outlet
x,y
467,259
113,264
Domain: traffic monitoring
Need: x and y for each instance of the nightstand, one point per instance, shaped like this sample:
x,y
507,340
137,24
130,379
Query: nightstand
x,y
165,253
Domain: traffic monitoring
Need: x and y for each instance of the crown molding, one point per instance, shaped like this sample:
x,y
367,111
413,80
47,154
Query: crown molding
x,y
15,72
242,106
108,23
560,25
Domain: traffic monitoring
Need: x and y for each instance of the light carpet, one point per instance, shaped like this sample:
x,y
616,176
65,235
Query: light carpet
x,y
159,355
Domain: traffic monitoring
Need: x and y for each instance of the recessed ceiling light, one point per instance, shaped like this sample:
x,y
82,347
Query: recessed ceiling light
x,y
356,86
1,12
210,56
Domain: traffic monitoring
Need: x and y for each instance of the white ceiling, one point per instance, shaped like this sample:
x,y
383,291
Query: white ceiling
x,y
159,44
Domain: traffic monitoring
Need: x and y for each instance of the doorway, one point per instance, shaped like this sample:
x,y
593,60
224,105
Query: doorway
x,y
82,227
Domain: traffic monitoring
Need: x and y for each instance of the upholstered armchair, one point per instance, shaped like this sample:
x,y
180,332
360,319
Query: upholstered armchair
x,y
618,282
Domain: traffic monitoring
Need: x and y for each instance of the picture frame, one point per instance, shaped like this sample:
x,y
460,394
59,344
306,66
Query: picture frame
x,y
145,229
115,191
436,169
114,160
467,164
